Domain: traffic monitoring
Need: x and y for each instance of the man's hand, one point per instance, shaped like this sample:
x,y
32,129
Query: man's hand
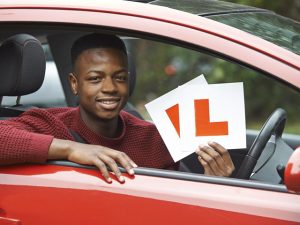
x,y
96,155
215,159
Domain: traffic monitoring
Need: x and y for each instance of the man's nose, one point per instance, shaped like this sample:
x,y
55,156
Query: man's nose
x,y
108,85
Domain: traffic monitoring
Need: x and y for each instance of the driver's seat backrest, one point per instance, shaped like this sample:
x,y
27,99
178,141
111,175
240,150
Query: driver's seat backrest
x,y
132,80
22,69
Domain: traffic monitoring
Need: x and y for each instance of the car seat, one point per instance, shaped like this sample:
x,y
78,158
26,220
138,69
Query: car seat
x,y
22,66
132,80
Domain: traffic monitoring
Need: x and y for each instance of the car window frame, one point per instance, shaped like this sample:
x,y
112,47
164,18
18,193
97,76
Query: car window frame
x,y
151,37
184,176
92,25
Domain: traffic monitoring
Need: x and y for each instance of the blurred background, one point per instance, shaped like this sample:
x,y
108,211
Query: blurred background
x,y
288,8
168,66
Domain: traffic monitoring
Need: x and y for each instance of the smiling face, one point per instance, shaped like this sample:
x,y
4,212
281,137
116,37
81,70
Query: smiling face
x,y
100,79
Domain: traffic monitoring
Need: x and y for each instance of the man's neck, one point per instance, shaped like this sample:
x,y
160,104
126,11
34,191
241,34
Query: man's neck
x,y
106,128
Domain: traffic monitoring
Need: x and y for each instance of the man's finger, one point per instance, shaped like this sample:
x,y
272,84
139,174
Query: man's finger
x,y
124,160
210,161
113,166
131,161
221,150
216,156
101,166
229,166
207,169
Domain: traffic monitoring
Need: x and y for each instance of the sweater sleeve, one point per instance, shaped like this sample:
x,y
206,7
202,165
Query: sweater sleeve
x,y
27,138
20,146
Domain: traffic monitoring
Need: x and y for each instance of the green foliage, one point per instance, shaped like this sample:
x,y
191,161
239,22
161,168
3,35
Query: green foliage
x,y
162,67
287,8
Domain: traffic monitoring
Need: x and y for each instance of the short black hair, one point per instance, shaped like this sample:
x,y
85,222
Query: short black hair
x,y
96,40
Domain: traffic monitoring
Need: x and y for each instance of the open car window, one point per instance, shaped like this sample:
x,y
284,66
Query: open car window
x,y
163,67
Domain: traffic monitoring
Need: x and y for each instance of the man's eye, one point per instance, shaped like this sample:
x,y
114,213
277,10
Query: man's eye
x,y
121,78
95,79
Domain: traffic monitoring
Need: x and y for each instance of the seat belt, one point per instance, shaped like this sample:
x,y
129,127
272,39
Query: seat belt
x,y
77,137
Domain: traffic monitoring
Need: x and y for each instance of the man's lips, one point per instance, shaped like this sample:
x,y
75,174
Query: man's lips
x,y
108,103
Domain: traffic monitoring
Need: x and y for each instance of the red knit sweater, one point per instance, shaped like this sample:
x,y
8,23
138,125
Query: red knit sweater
x,y
27,138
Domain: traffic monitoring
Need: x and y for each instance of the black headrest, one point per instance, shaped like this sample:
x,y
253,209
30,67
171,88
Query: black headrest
x,y
132,74
22,65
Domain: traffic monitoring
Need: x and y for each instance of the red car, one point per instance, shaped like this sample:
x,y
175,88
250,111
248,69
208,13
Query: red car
x,y
170,43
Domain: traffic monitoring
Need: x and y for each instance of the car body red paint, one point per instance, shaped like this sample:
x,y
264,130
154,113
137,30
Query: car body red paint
x,y
66,195
70,194
292,172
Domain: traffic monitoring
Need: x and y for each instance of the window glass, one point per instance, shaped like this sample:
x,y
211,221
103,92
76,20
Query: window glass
x,y
162,67
202,7
274,28
277,29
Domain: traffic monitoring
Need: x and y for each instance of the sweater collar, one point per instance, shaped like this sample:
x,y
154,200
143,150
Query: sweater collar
x,y
91,137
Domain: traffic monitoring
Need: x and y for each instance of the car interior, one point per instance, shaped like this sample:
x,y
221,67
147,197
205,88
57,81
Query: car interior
x,y
274,147
21,76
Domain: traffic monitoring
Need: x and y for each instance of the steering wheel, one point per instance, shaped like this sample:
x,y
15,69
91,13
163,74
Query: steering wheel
x,y
273,126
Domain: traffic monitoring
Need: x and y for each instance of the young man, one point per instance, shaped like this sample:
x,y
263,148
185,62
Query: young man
x,y
100,79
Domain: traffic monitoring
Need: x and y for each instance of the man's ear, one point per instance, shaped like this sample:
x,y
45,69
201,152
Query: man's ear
x,y
73,83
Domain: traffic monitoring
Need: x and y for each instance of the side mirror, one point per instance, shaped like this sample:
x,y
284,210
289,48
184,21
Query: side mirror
x,y
292,172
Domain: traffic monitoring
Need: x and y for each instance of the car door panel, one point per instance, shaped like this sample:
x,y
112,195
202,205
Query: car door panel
x,y
51,194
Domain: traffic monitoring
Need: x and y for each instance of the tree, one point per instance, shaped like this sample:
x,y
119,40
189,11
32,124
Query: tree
x,y
287,8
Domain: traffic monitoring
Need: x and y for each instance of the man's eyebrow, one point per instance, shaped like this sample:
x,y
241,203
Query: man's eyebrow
x,y
102,72
95,71
122,70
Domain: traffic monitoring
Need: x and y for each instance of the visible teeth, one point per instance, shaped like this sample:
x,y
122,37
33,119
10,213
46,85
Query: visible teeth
x,y
108,102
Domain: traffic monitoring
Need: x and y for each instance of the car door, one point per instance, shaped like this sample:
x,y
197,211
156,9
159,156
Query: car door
x,y
54,193
64,194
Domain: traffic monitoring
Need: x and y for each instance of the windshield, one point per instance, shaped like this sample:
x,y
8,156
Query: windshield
x,y
271,27
277,29
203,7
